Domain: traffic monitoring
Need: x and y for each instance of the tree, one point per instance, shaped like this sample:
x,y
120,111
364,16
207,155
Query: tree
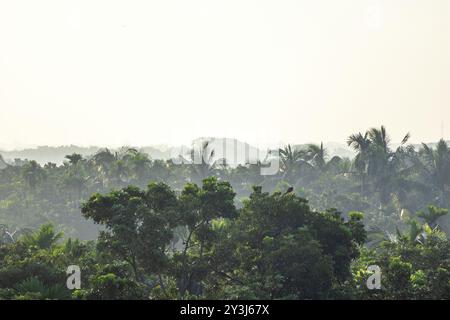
x,y
33,174
138,225
200,207
317,154
74,158
33,267
45,238
437,167
202,161
432,216
361,144
289,157
278,248
384,167
410,269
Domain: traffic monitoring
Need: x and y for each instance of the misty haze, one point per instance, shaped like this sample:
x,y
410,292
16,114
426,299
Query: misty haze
x,y
224,150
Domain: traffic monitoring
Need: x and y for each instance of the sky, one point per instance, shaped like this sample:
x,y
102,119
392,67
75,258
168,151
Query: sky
x,y
111,73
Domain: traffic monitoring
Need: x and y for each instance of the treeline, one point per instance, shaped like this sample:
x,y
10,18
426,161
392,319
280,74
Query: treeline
x,y
207,230
387,184
196,244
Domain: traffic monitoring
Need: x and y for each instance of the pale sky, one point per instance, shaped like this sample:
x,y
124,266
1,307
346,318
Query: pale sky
x,y
110,73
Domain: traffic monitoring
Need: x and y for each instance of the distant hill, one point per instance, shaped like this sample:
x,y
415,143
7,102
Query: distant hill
x,y
236,151
45,154
334,149
233,150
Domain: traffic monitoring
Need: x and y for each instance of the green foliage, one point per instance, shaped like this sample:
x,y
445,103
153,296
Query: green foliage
x,y
277,248
44,238
138,224
208,230
410,269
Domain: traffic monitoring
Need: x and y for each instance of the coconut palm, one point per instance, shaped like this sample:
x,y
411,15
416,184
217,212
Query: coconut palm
x,y
74,158
203,162
44,238
317,155
437,168
33,174
376,161
289,157
432,216
361,144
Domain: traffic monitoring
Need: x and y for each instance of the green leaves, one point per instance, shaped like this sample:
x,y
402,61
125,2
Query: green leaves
x,y
279,249
44,238
433,214
138,224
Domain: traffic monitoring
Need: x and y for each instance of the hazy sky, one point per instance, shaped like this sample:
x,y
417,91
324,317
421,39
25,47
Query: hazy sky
x,y
149,72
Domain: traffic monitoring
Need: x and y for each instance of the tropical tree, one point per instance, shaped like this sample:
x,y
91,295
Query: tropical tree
x,y
138,225
437,168
317,155
203,162
289,157
45,238
74,158
361,144
278,248
33,174
385,168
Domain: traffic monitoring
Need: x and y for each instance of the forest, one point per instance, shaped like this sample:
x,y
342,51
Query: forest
x,y
144,228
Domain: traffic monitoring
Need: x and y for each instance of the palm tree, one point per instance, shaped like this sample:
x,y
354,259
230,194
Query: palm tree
x,y
74,158
113,166
337,165
44,238
380,154
361,144
375,160
33,174
289,157
378,151
432,216
437,168
103,159
317,155
75,181
379,138
140,164
202,161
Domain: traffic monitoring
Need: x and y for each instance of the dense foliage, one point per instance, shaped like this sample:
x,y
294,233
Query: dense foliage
x,y
159,230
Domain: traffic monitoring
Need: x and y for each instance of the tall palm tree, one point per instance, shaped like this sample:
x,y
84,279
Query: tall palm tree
x,y
140,165
103,158
33,173
432,216
203,162
44,238
317,155
289,157
375,160
74,158
437,167
381,154
379,138
361,144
